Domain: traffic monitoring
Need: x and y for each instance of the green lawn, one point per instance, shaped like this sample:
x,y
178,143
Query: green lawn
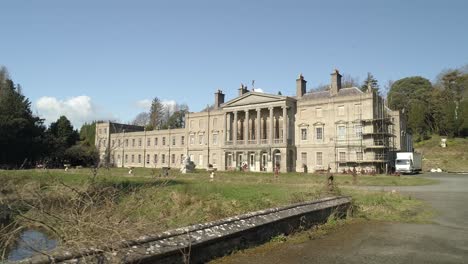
x,y
81,208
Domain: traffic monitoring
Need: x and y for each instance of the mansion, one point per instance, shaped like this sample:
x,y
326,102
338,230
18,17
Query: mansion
x,y
338,128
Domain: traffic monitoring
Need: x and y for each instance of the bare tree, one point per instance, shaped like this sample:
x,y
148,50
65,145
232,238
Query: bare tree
x,y
349,81
142,119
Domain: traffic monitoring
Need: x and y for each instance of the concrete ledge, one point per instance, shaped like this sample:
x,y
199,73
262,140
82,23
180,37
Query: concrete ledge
x,y
202,242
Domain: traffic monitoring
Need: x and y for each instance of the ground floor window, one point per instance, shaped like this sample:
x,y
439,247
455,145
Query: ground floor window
x,y
304,158
319,158
342,156
173,158
147,158
359,156
163,158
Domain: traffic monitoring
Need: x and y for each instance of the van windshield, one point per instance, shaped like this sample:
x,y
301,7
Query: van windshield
x,y
403,162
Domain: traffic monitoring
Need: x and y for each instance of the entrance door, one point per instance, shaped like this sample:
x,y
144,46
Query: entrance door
x,y
277,160
264,162
252,162
229,161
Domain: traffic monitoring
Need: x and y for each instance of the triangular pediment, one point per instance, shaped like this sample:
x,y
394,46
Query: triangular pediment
x,y
253,98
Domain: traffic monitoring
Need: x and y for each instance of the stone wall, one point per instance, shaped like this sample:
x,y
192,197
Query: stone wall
x,y
203,242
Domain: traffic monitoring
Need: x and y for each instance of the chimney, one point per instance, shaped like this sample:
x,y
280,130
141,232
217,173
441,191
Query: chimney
x,y
335,82
243,89
219,99
300,86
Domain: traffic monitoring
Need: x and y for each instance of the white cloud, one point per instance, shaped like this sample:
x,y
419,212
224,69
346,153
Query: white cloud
x,y
78,110
144,104
258,90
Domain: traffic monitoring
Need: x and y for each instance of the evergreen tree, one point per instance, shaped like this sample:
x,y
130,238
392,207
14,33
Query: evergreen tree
x,y
156,113
61,136
21,133
370,80
88,133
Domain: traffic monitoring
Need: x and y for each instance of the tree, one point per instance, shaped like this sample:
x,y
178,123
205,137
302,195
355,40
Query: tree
x,y
156,113
349,81
417,120
60,136
82,154
142,119
88,133
370,81
408,89
21,133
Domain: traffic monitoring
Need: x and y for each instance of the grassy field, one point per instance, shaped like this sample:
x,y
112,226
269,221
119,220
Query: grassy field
x,y
85,208
452,158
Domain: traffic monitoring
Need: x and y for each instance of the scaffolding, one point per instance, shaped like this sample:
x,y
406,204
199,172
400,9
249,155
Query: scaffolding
x,y
367,144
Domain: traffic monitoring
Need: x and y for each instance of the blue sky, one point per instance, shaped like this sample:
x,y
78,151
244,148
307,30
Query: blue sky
x,y
98,59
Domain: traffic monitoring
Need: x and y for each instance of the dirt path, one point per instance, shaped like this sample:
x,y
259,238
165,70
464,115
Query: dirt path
x,y
444,241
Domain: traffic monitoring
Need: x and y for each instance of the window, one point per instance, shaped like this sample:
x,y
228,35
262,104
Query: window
x,y
173,141
126,158
357,110
201,124
133,142
341,132
181,158
319,158
155,141
304,158
318,112
304,133
155,158
215,122
105,130
139,142
139,158
173,158
200,160
164,141
113,143
118,157
341,110
215,139
192,123
359,156
358,130
118,143
342,156
126,142
319,133
133,158
200,139
148,142
182,140
147,158
192,139
214,159
104,142
163,158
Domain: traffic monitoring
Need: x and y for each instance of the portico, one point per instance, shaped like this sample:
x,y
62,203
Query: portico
x,y
256,125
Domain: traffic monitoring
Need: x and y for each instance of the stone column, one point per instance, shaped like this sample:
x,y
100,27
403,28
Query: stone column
x,y
234,132
285,122
246,127
226,135
270,134
259,124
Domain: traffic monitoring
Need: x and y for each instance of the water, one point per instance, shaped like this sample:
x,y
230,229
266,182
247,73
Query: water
x,y
29,243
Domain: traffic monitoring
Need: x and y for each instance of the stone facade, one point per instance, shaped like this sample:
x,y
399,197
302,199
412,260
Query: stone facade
x,y
339,128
